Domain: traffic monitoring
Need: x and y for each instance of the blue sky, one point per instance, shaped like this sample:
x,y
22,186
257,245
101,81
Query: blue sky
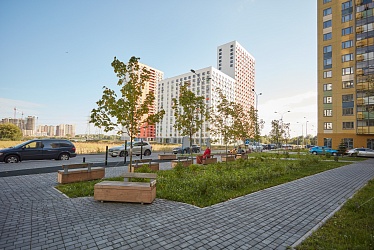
x,y
55,56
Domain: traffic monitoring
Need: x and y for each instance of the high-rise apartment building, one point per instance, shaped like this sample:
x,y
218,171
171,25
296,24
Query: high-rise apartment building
x,y
346,73
235,77
148,132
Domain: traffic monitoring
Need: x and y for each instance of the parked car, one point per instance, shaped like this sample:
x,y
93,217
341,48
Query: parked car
x,y
365,152
136,149
317,150
256,147
39,149
179,150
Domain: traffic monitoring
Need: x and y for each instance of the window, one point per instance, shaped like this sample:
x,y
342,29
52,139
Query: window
x,y
346,18
347,71
347,57
346,5
347,98
347,111
327,49
347,31
327,142
348,125
327,112
327,99
327,74
327,24
327,63
327,125
327,36
326,1
327,87
348,142
348,84
327,12
347,44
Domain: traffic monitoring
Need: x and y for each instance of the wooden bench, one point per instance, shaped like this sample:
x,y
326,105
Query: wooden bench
x,y
209,160
79,172
167,156
184,160
155,166
127,191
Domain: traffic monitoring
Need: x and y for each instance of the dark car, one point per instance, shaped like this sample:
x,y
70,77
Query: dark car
x,y
186,150
39,149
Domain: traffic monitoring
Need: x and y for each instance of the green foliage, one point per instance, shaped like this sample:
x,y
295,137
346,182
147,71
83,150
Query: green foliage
x,y
351,227
10,132
131,110
342,148
189,111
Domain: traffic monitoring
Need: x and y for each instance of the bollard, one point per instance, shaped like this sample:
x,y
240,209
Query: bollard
x,y
106,156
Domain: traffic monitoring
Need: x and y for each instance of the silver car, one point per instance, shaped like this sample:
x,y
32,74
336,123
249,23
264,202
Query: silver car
x,y
136,149
365,152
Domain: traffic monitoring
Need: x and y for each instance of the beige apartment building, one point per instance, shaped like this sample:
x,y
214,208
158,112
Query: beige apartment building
x,y
345,73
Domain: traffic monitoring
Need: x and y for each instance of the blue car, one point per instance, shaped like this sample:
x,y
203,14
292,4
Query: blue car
x,y
322,150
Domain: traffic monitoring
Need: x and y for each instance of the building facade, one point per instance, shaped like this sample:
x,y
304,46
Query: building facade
x,y
234,76
148,132
345,73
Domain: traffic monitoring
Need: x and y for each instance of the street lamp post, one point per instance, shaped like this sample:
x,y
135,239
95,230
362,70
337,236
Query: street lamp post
x,y
201,127
281,125
256,135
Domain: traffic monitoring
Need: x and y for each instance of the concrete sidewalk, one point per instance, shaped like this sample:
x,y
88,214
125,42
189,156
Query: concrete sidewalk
x,y
33,215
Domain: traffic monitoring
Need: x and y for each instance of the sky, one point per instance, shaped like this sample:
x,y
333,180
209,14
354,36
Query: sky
x,y
55,56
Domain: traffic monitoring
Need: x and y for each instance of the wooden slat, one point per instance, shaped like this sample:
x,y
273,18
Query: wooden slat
x,y
139,175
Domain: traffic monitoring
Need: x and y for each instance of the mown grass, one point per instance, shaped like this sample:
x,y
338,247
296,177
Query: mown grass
x,y
352,227
208,185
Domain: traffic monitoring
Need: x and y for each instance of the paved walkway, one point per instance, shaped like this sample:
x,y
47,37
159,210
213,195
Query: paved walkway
x,y
33,215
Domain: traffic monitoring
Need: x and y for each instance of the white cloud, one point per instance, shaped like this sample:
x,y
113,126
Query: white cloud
x,y
302,107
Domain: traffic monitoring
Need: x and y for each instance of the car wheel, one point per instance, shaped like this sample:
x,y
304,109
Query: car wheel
x,y
314,152
121,154
64,157
354,154
147,152
11,159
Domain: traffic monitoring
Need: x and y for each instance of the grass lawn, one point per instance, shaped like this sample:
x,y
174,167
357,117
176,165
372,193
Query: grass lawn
x,y
352,227
208,185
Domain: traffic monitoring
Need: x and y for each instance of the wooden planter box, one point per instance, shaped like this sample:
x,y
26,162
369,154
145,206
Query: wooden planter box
x,y
167,157
228,158
79,172
184,162
127,191
242,156
209,161
155,166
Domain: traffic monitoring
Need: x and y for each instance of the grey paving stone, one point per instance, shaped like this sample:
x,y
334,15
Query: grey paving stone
x,y
34,214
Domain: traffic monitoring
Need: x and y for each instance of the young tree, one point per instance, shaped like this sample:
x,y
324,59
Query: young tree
x,y
222,120
189,112
129,111
277,131
9,131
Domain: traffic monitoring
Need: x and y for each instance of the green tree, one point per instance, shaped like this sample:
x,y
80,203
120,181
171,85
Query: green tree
x,y
276,132
10,131
222,120
189,112
130,110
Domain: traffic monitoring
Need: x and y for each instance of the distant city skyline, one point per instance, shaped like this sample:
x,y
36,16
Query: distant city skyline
x,y
29,127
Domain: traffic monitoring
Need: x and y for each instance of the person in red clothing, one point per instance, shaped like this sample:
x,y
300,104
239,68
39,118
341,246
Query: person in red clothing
x,y
206,153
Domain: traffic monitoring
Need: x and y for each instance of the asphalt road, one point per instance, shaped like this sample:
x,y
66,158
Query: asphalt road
x,y
49,166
